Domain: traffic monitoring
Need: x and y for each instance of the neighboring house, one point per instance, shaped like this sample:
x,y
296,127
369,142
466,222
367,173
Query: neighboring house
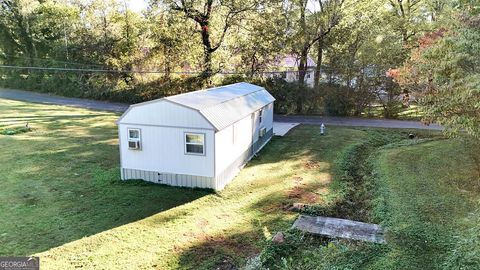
x,y
197,139
287,68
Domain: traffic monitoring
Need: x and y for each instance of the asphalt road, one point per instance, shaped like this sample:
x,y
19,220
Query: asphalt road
x,y
121,107
354,122
52,99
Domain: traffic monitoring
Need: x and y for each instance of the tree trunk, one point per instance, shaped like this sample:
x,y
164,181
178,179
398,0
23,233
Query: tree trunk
x,y
318,68
207,49
302,68
254,64
207,64
166,64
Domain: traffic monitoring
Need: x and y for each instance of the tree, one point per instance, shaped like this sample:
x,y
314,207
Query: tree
x,y
326,18
15,26
202,15
444,72
311,27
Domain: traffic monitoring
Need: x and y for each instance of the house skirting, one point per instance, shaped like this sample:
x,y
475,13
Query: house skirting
x,y
181,180
184,180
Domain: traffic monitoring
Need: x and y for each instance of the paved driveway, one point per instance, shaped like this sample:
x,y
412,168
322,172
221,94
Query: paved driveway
x,y
282,128
121,107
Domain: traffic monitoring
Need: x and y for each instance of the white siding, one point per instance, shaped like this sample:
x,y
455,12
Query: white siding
x,y
163,150
164,113
292,76
227,151
267,120
246,133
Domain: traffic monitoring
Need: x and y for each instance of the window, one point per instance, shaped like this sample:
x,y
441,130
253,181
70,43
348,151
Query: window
x,y
260,115
133,138
195,143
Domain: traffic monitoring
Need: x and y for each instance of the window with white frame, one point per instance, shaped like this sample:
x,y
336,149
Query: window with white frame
x,y
260,114
195,143
134,138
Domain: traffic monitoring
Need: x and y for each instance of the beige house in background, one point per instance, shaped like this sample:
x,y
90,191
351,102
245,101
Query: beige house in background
x,y
287,67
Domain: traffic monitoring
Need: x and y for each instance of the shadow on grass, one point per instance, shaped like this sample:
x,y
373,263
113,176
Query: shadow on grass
x,y
302,153
62,184
304,167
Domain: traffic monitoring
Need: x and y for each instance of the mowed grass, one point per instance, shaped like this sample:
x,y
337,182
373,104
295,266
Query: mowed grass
x,y
424,192
64,202
58,182
427,194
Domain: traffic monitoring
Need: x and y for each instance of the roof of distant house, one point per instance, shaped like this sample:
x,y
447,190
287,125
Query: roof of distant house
x,y
292,61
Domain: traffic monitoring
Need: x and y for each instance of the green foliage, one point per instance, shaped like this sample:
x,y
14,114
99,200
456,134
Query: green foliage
x,y
339,101
14,130
275,255
443,71
355,44
285,94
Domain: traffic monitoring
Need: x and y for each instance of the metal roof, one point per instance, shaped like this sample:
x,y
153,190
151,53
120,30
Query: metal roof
x,y
225,105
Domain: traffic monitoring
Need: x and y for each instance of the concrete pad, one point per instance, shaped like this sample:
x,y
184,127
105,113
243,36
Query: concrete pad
x,y
282,128
342,228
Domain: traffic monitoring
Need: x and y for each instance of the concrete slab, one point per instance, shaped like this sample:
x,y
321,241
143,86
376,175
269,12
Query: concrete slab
x,y
341,228
282,128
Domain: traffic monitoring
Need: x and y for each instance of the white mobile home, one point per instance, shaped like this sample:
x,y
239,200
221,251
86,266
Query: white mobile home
x,y
197,139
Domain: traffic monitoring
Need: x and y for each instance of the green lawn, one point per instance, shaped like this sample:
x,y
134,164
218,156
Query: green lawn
x,y
427,194
413,112
58,181
64,200
424,192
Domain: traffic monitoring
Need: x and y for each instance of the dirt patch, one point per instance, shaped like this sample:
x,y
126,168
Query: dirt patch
x,y
312,164
301,194
223,251
295,192
309,197
274,207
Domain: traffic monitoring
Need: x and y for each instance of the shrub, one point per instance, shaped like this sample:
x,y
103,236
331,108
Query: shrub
x,y
339,100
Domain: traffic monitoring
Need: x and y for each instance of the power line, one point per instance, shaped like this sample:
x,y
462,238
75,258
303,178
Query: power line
x,y
137,71
51,60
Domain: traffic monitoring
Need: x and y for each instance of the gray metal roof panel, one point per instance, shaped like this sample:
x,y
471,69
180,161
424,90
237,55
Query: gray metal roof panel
x,y
225,105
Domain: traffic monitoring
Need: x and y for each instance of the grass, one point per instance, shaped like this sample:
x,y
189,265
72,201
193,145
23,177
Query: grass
x,y
66,204
413,112
425,192
14,130
58,182
63,201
